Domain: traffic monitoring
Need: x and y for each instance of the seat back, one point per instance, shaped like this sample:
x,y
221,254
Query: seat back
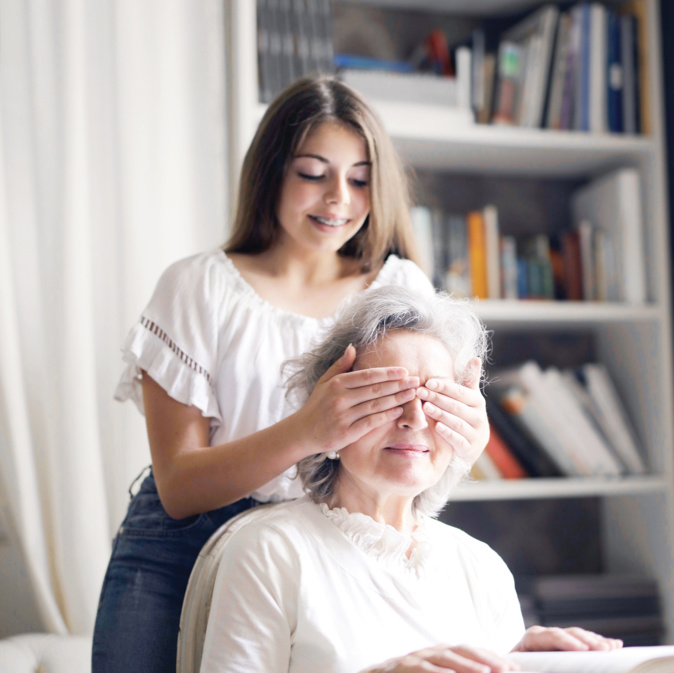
x,y
199,594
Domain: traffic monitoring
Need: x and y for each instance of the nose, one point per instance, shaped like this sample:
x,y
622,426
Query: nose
x,y
338,191
413,416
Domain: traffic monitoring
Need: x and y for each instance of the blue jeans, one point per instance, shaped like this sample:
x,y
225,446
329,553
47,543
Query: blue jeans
x,y
138,617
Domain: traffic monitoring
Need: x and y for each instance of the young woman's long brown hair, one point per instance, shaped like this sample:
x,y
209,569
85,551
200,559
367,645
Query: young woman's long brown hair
x,y
293,114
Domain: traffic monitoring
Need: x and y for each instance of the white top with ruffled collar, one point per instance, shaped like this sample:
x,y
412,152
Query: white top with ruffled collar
x,y
305,588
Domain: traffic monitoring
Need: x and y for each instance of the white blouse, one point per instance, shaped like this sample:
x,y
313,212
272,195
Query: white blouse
x,y
305,589
212,342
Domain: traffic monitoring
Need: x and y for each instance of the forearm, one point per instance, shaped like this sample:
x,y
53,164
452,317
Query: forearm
x,y
197,480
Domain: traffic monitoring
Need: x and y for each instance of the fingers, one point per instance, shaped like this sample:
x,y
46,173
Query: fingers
x,y
542,638
473,374
593,640
459,413
342,365
441,658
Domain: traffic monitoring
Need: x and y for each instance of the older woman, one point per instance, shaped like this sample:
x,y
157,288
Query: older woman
x,y
358,571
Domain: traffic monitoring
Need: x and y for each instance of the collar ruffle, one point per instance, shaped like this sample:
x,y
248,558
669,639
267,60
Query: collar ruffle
x,y
381,541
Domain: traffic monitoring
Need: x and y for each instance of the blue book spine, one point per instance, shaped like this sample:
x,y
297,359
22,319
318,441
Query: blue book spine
x,y
522,278
615,75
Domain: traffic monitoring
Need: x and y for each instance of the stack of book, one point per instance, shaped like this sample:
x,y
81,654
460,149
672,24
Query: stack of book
x,y
580,69
615,605
294,38
551,422
599,257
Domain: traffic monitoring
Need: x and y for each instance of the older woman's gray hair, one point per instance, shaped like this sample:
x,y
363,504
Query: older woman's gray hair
x,y
362,322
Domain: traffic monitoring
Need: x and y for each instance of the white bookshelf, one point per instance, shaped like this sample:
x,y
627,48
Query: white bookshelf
x,y
634,342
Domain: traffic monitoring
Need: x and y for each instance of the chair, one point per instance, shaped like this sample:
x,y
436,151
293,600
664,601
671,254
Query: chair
x,y
199,594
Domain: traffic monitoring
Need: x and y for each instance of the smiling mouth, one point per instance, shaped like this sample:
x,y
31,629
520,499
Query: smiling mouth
x,y
409,450
328,221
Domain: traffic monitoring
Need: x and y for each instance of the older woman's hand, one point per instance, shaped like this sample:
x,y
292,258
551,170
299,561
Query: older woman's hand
x,y
459,411
542,638
461,659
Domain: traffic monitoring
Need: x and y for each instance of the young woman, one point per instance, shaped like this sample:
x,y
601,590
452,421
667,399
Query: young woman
x,y
322,215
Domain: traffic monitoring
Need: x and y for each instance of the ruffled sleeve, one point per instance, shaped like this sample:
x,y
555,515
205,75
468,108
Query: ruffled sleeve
x,y
176,338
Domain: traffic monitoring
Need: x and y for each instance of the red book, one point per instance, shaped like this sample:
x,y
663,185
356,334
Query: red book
x,y
509,466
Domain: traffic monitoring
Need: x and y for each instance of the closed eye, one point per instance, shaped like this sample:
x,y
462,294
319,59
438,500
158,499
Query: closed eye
x,y
313,178
359,183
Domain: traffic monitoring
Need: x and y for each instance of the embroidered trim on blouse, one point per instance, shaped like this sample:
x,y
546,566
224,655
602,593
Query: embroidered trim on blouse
x,y
191,363
383,542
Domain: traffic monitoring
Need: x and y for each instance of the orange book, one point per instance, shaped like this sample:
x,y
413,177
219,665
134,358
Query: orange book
x,y
477,254
504,459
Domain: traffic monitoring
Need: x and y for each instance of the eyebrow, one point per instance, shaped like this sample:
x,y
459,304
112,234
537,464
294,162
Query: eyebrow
x,y
325,161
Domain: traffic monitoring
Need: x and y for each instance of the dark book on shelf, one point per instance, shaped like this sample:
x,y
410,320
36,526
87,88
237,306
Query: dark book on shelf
x,y
531,456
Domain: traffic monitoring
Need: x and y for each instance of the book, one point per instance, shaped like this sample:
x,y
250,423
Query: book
x,y
477,254
531,413
570,89
508,67
489,77
505,460
573,268
533,459
586,444
653,659
558,422
535,33
396,86
629,59
493,252
612,416
587,265
558,74
457,279
508,267
598,71
638,9
464,77
615,74
422,227
484,468
613,203
440,236
582,100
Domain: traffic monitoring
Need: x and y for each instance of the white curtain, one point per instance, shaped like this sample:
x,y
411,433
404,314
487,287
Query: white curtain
x,y
112,166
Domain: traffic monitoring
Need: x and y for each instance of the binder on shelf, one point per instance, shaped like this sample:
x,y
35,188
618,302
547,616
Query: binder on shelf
x,y
613,203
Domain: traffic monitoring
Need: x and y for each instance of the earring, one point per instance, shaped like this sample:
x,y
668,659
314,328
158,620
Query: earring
x,y
333,455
